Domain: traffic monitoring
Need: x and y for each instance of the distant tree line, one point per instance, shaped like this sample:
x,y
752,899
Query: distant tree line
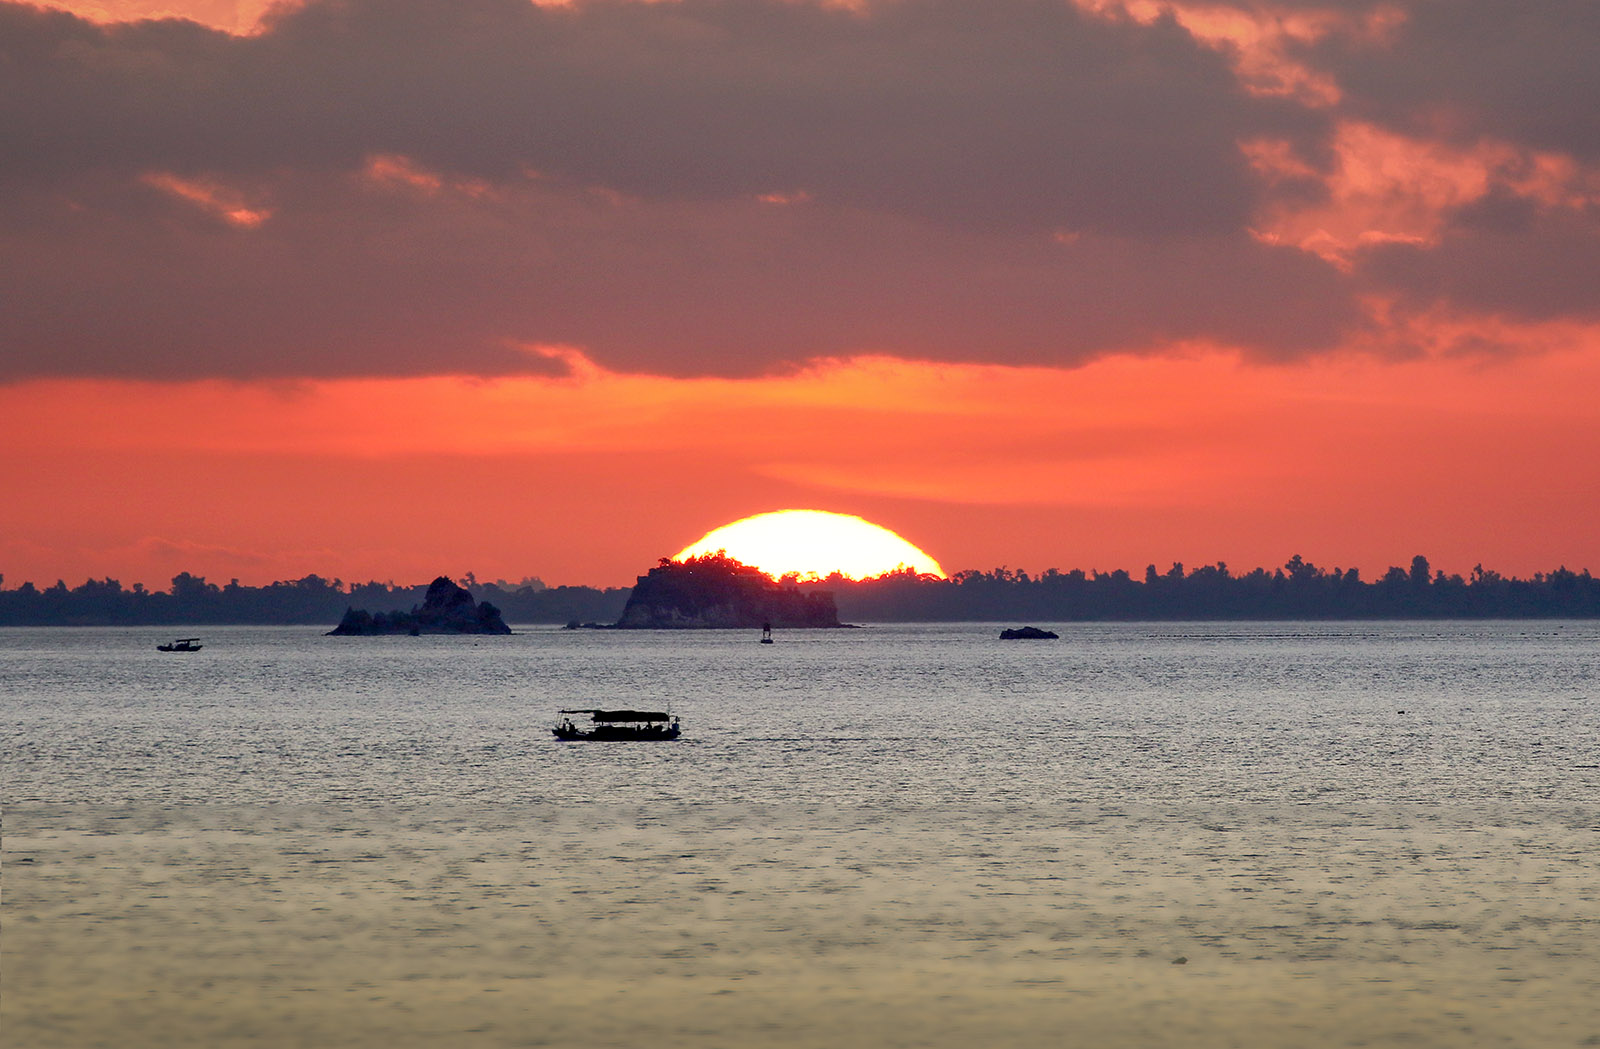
x,y
312,600
1298,590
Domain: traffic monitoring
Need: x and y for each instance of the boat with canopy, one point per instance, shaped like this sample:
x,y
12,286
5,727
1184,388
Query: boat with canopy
x,y
618,725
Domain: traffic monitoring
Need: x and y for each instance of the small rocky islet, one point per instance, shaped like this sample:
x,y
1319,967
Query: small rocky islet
x,y
448,608
1028,633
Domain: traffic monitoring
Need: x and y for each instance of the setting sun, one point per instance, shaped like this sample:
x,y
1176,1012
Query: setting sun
x,y
813,542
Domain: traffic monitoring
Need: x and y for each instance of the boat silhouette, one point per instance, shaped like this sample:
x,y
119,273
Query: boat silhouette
x,y
618,725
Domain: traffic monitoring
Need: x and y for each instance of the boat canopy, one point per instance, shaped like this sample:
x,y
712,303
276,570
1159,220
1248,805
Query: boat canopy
x,y
622,715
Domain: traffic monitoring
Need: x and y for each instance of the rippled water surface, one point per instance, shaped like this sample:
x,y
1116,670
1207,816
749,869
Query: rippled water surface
x,y
905,714
1138,835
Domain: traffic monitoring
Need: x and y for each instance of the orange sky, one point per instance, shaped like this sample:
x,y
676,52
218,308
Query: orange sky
x,y
1348,460
341,291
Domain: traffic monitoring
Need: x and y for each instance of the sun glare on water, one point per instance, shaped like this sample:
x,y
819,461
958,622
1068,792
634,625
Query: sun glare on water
x,y
813,542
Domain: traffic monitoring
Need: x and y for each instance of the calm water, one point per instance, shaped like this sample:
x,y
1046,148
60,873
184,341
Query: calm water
x,y
1201,835
1433,712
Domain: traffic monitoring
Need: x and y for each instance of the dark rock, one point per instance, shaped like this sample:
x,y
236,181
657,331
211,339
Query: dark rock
x,y
447,609
717,592
1028,633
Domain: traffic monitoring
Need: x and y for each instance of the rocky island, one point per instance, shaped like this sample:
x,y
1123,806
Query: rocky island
x,y
447,609
715,591
1028,633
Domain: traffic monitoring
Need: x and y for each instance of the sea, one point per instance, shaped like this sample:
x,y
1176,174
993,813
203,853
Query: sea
x,y
1174,834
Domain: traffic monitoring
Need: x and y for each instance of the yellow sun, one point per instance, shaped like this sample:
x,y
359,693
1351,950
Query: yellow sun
x,y
812,542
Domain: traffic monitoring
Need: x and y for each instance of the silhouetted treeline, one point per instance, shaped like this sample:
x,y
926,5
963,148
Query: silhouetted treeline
x,y
312,600
1298,590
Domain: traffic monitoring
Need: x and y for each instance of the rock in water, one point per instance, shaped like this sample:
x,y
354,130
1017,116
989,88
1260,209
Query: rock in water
x,y
447,609
1028,633
715,591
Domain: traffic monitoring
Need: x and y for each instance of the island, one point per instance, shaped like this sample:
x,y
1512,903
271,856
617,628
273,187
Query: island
x,y
715,591
1028,633
447,609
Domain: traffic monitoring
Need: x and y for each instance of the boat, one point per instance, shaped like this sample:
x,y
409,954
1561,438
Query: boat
x,y
182,644
618,725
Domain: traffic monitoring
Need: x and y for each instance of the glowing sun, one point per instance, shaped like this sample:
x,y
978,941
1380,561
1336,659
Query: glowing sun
x,y
812,542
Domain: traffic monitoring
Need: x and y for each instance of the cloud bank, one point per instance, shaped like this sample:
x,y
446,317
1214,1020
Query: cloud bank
x,y
703,187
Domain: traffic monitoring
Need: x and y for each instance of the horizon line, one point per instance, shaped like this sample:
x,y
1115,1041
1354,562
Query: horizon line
x,y
1001,571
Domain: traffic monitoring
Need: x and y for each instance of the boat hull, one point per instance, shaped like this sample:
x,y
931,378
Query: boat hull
x,y
615,733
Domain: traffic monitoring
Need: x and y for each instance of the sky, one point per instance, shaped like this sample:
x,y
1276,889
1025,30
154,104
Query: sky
x,y
388,289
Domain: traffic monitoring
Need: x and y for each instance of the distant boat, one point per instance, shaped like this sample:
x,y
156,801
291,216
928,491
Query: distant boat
x,y
182,644
618,725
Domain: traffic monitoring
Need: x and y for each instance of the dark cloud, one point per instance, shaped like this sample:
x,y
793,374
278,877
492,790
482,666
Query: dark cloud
x,y
137,284
1531,270
346,279
1008,180
1470,72
1009,113
1526,72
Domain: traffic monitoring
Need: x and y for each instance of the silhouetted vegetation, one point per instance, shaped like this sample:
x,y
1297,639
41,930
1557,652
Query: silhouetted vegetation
x,y
716,591
312,600
1298,590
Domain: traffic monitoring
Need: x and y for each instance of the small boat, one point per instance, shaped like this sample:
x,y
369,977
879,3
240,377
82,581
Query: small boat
x,y
182,644
618,725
